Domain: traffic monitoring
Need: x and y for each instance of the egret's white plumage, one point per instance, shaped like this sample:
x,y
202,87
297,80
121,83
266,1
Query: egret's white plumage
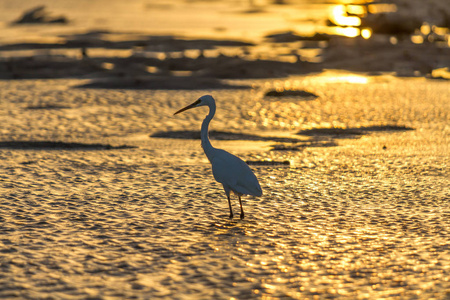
x,y
231,171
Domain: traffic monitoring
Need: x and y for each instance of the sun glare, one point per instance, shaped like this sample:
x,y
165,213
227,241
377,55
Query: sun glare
x,y
356,9
346,31
339,17
347,78
366,33
355,79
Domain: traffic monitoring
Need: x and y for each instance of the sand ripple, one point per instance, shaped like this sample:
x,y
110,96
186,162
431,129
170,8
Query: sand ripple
x,y
357,220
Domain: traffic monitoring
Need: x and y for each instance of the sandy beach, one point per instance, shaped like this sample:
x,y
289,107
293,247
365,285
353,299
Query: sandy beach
x,y
106,195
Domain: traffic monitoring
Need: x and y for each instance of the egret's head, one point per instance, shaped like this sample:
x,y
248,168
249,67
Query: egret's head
x,y
206,100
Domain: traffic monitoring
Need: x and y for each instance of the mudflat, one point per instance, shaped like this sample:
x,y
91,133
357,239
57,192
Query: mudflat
x,y
93,207
105,194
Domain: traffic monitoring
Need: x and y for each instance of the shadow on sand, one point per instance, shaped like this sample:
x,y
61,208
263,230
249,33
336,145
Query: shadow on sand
x,y
220,135
318,137
326,137
161,83
352,132
282,143
49,145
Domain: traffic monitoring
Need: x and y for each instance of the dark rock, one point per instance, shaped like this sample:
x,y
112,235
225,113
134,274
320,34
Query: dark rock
x,y
291,93
39,15
54,145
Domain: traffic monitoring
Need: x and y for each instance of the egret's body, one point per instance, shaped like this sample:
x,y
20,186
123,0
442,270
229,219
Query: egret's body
x,y
231,171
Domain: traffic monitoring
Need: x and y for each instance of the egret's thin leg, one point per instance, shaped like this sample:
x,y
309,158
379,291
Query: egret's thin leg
x,y
229,204
242,210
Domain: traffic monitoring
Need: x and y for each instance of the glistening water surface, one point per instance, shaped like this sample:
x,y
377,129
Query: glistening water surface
x,y
367,218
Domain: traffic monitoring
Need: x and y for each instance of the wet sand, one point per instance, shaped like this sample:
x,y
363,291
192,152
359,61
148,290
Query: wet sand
x,y
367,218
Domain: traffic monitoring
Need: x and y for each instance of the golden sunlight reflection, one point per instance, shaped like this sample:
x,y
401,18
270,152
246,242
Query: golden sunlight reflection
x,y
348,17
425,29
382,8
345,31
366,33
441,73
356,9
345,78
339,16
417,39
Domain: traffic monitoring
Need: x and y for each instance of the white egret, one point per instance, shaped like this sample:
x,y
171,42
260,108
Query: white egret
x,y
231,171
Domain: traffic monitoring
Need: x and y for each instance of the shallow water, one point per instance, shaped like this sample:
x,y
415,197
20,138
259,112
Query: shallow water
x,y
368,218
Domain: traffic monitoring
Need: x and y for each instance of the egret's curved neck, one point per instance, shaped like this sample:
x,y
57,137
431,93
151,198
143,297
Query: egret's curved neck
x,y
206,144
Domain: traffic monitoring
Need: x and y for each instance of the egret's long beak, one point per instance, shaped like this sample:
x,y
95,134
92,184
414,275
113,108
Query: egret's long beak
x,y
188,107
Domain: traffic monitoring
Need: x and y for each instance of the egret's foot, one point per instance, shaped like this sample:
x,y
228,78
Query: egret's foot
x,y
231,216
242,216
